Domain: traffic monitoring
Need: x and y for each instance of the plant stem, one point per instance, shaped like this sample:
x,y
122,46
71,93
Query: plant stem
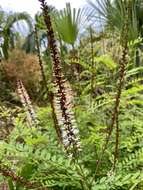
x,y
50,94
84,182
92,63
115,115
28,184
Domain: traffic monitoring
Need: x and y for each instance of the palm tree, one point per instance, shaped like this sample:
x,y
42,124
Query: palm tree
x,y
6,23
68,23
30,44
112,13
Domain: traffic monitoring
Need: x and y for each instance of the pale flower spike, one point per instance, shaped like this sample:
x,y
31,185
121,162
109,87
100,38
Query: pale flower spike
x,y
26,102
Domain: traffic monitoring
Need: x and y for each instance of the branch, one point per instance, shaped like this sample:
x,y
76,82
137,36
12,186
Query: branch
x,y
5,171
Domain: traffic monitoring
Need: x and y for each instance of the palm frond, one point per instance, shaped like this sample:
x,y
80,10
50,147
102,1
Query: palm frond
x,y
68,23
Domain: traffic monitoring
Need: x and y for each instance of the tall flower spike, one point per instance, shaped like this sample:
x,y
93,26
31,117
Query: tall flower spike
x,y
25,100
120,85
62,99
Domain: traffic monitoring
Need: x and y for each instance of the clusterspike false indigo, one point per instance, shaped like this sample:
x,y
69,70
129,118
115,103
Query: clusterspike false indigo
x,y
25,100
63,96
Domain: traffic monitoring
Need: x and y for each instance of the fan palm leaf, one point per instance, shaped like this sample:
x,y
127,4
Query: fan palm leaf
x,y
68,22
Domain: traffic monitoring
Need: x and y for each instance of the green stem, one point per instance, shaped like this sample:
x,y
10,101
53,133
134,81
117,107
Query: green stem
x,y
84,182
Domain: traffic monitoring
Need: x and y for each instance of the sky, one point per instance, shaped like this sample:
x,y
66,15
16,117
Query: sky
x,y
32,6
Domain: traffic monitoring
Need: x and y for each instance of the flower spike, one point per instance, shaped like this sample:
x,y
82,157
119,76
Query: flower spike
x,y
63,102
25,100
